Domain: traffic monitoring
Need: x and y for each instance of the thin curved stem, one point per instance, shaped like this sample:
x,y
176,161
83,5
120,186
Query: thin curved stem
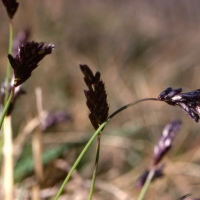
x,y
93,137
131,104
98,142
79,158
8,159
5,110
146,185
95,167
8,65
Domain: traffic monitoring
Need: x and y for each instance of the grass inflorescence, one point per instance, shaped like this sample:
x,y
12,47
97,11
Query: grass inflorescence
x,y
51,172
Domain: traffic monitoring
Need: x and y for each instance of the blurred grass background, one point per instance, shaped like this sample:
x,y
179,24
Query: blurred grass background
x,y
140,48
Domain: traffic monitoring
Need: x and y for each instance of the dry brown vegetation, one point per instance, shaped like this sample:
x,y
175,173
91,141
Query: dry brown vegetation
x,y
140,48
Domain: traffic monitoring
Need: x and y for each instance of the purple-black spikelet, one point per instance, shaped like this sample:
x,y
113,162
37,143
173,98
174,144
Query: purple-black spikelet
x,y
11,7
27,59
96,97
165,141
188,102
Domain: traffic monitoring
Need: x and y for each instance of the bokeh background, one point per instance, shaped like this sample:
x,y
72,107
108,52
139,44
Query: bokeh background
x,y
140,48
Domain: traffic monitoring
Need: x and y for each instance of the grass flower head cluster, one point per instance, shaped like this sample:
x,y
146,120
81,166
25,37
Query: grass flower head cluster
x,y
27,59
189,101
96,97
11,7
24,57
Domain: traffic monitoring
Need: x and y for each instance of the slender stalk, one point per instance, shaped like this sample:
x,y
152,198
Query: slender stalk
x,y
93,137
7,83
146,185
8,65
95,167
37,154
2,119
37,139
131,104
1,147
80,157
35,192
8,159
5,110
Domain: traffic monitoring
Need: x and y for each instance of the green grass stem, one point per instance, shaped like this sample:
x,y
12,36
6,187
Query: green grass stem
x,y
95,168
79,158
92,139
5,110
8,65
131,104
146,185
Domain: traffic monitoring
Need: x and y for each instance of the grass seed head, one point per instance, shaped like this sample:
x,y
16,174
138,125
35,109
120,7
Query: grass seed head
x,y
96,97
165,141
188,102
11,7
27,59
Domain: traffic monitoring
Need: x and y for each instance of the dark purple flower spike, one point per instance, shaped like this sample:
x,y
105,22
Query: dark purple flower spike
x,y
96,97
165,142
11,7
27,59
189,102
